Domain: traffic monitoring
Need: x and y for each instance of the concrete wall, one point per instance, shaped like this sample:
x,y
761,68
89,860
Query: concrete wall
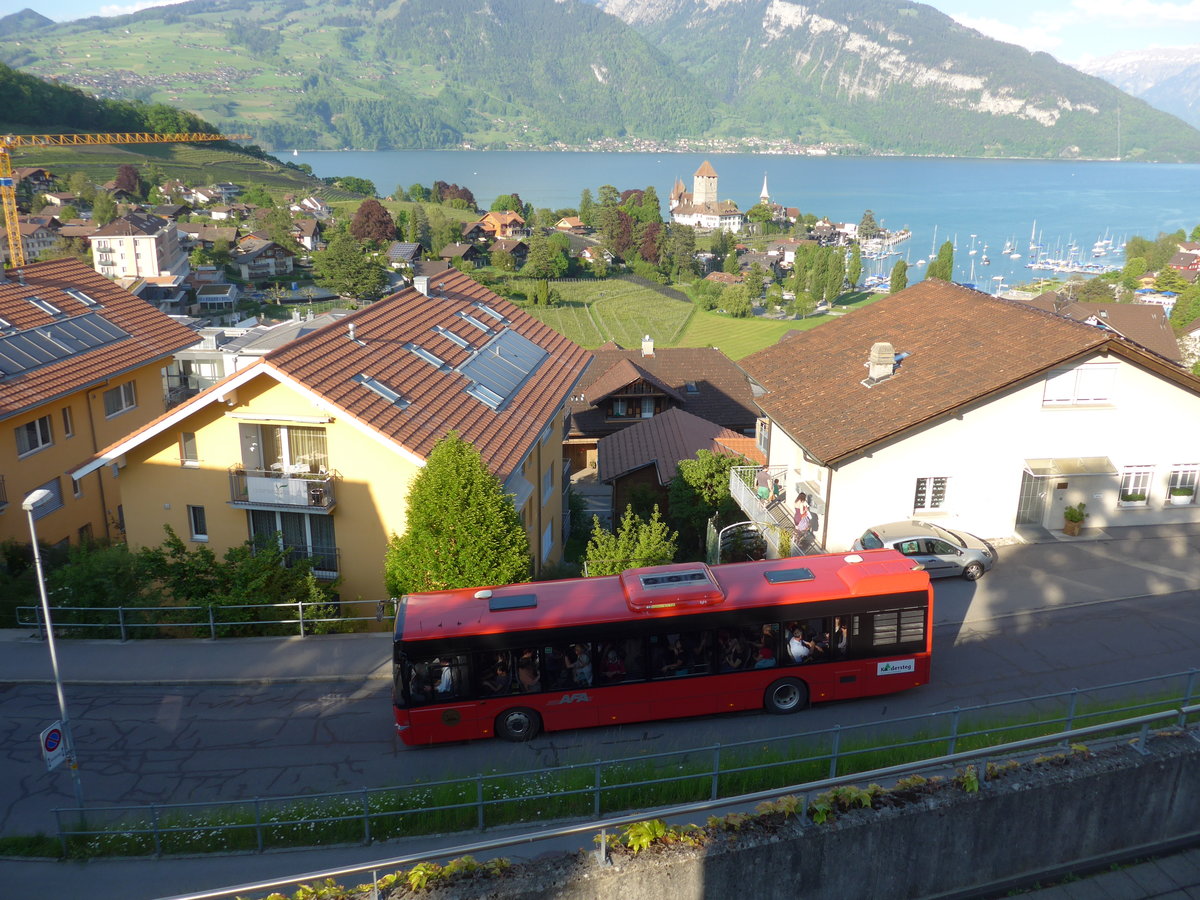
x,y
1024,823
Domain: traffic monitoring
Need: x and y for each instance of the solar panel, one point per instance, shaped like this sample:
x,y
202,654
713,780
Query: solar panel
x,y
33,347
500,367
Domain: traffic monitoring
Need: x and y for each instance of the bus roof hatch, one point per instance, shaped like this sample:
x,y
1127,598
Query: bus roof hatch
x,y
676,586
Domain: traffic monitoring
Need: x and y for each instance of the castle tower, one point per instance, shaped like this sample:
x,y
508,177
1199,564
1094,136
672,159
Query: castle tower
x,y
704,185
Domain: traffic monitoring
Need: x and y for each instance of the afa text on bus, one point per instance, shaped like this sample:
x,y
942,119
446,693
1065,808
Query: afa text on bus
x,y
659,642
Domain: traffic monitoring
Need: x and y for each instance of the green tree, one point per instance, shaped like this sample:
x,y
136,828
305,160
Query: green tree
x,y
544,260
761,213
730,265
103,576
942,266
700,490
735,300
637,542
418,193
129,180
104,209
418,227
345,268
258,195
462,528
1169,279
1195,234
899,279
587,208
81,186
1096,290
679,252
278,225
868,228
507,203
356,185
854,270
835,276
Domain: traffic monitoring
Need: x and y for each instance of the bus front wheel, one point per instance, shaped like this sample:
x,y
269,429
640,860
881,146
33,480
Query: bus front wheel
x,y
786,696
518,725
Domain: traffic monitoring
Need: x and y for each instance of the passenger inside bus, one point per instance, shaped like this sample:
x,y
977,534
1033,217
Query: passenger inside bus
x,y
581,666
499,680
614,668
527,672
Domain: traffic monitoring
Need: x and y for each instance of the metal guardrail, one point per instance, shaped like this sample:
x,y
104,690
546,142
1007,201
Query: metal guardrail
x,y
1141,724
214,621
485,801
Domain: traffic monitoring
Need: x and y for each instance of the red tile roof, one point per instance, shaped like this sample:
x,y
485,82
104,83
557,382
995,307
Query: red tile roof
x,y
1145,323
964,346
437,402
152,335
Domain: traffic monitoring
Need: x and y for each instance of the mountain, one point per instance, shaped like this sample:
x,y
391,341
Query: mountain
x,y
884,76
899,77
23,23
1166,78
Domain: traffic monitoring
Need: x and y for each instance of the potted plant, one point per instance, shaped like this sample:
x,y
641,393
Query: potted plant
x,y
1073,517
1182,496
1134,498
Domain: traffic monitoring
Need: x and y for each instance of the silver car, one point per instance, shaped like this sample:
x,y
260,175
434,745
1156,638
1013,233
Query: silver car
x,y
939,550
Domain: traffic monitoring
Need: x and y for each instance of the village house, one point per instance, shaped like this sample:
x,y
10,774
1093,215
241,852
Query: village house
x,y
258,259
701,207
893,413
80,367
139,245
316,444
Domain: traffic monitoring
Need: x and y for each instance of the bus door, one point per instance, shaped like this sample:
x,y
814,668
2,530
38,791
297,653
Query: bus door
x,y
570,697
621,673
675,661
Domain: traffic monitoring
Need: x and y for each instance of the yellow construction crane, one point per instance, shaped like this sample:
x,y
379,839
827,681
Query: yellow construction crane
x,y
8,184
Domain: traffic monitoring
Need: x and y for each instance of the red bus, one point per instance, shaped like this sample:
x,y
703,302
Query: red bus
x,y
658,642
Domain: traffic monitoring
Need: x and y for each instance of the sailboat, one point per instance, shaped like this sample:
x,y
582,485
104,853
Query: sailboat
x,y
295,152
972,251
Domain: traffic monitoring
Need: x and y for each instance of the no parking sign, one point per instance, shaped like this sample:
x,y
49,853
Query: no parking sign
x,y
54,747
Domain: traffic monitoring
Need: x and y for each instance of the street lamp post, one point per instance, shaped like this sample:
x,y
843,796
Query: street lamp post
x,y
30,503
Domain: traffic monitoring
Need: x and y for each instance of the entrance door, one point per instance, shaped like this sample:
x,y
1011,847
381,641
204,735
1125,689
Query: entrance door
x,y
1031,505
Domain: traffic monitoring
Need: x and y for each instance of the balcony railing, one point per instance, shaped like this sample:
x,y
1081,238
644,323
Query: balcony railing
x,y
326,560
750,488
271,487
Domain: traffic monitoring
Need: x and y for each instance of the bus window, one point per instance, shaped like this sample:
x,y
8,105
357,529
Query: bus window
x,y
767,654
433,679
495,673
578,663
529,672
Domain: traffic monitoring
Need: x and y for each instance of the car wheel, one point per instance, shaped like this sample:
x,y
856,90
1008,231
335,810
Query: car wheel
x,y
973,571
787,695
518,725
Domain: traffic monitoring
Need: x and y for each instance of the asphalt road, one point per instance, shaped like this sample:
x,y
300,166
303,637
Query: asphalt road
x,y
1050,617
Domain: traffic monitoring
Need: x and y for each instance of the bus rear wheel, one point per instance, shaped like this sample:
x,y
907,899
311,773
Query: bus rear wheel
x,y
518,724
787,695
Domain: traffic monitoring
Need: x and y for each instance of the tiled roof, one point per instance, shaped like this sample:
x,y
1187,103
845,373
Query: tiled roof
x,y
328,361
623,373
1147,324
662,441
136,223
963,346
706,170
724,395
152,335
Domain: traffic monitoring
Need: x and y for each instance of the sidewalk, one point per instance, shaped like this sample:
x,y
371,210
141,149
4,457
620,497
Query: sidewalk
x,y
334,657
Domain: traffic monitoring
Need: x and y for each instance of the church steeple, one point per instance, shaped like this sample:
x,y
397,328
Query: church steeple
x,y
764,196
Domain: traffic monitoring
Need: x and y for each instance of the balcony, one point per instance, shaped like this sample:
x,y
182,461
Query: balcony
x,y
326,561
282,490
747,485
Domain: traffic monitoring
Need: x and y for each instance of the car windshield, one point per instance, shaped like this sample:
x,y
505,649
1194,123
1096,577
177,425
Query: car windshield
x,y
870,541
949,535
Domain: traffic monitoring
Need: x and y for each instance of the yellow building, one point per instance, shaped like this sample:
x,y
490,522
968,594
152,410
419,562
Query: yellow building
x,y
80,367
319,440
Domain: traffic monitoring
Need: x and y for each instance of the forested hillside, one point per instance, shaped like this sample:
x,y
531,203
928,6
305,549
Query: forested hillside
x,y
870,75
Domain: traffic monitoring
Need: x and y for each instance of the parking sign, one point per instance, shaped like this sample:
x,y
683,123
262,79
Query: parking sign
x,y
54,748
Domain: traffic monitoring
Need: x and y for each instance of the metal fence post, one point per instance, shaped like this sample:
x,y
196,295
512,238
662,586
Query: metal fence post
x,y
212,624
716,773
41,625
366,803
1071,708
62,838
596,791
953,732
1140,744
300,610
157,836
479,799
833,755
1191,686
258,833
802,815
121,622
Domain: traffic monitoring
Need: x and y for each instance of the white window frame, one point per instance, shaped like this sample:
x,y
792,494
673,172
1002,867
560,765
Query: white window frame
x,y
1135,480
192,461
762,436
68,423
1090,384
547,484
33,436
197,522
647,408
125,395
1183,475
931,486
548,540
619,407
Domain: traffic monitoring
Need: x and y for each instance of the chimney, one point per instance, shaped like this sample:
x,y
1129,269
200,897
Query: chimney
x,y
647,346
350,331
882,361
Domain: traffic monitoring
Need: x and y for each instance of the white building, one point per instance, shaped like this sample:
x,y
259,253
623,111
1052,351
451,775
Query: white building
x,y
947,404
139,245
701,207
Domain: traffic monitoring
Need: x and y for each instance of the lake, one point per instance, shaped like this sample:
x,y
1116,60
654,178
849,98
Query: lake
x,y
996,200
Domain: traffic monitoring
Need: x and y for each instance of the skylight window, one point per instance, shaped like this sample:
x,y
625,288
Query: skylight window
x,y
80,296
467,317
452,337
424,354
45,306
381,389
488,311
